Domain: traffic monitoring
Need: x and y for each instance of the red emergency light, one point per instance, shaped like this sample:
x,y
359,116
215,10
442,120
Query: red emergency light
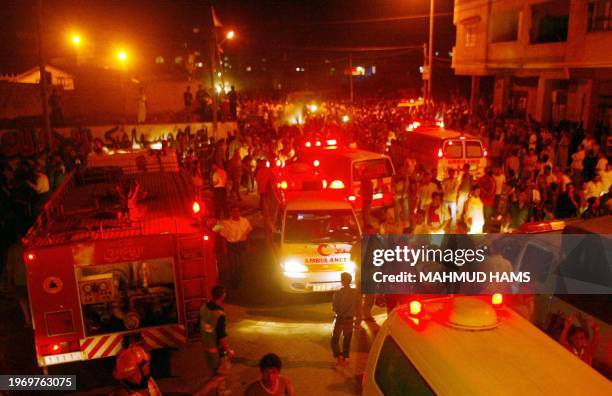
x,y
205,237
308,144
415,307
316,163
440,153
282,185
31,256
352,198
497,299
195,207
336,184
318,143
332,142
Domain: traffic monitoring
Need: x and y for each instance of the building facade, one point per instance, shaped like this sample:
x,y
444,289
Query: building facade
x,y
551,60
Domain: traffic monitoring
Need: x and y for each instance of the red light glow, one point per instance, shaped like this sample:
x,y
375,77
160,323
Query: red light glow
x,y
440,153
336,184
352,198
316,162
31,256
205,237
415,307
195,207
497,299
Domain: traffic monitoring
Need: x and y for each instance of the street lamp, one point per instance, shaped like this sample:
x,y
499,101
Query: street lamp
x,y
122,56
76,40
230,35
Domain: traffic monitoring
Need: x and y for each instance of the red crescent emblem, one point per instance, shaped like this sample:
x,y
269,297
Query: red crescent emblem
x,y
321,251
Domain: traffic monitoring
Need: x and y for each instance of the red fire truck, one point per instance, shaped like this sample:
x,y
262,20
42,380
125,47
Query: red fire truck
x,y
118,250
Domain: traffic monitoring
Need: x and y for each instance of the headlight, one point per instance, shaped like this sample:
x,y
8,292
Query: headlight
x,y
294,266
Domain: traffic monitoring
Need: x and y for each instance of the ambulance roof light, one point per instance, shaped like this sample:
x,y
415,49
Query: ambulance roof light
x,y
31,256
497,299
332,142
336,184
318,143
308,144
316,163
415,307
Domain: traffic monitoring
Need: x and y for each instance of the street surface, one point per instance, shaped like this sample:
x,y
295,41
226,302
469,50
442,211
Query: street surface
x,y
261,319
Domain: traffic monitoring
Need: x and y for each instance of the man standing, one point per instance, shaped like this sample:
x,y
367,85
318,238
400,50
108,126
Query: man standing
x,y
344,305
217,351
142,107
450,187
188,99
235,173
202,98
474,216
487,195
233,102
219,182
465,186
437,216
236,231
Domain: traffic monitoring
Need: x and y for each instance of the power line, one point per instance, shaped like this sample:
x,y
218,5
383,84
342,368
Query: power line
x,y
377,20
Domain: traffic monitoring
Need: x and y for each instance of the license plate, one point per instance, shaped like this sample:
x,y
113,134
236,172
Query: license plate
x,y
326,287
63,358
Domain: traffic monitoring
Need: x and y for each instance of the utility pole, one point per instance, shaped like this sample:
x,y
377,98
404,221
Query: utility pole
x,y
431,50
351,92
213,57
46,126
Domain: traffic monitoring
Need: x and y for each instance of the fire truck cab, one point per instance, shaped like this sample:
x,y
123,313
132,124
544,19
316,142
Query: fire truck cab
x,y
466,345
117,250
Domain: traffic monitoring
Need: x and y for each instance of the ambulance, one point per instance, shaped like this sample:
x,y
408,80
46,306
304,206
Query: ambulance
x,y
118,249
314,237
345,168
467,345
437,150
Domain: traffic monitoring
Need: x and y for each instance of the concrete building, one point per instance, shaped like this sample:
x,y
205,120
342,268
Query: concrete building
x,y
55,77
548,59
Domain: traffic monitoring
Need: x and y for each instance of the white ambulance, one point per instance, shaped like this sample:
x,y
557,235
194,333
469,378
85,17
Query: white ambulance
x,y
470,346
313,236
438,150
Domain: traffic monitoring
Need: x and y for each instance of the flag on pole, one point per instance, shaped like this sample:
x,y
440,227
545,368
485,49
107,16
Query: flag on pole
x,y
216,22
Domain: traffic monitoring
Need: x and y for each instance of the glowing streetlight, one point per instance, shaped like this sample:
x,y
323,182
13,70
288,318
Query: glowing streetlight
x,y
122,56
230,35
76,39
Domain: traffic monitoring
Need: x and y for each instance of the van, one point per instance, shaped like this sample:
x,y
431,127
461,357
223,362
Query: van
x,y
438,150
469,345
314,234
345,168
549,309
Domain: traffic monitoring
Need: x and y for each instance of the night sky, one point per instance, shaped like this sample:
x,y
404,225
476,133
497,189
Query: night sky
x,y
265,27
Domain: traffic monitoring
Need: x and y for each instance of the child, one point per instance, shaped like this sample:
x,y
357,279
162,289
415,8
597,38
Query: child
x,y
576,339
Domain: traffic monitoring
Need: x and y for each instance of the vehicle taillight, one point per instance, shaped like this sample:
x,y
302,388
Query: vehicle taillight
x,y
415,307
440,153
485,153
195,207
336,184
318,143
351,198
497,299
283,185
316,163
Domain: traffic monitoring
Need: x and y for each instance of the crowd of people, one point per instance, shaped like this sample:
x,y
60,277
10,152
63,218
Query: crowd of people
x,y
535,172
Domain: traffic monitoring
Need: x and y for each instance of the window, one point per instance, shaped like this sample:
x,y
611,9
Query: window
x,y
473,149
537,261
178,60
470,35
453,149
549,22
600,15
372,169
159,60
321,226
395,375
504,26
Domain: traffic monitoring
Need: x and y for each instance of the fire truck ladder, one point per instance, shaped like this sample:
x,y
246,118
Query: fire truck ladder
x,y
194,279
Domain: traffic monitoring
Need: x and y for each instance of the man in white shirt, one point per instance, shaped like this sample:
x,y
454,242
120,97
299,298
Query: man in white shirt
x,y
236,231
219,183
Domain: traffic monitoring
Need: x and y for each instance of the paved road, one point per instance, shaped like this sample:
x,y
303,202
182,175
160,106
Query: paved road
x,y
261,319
